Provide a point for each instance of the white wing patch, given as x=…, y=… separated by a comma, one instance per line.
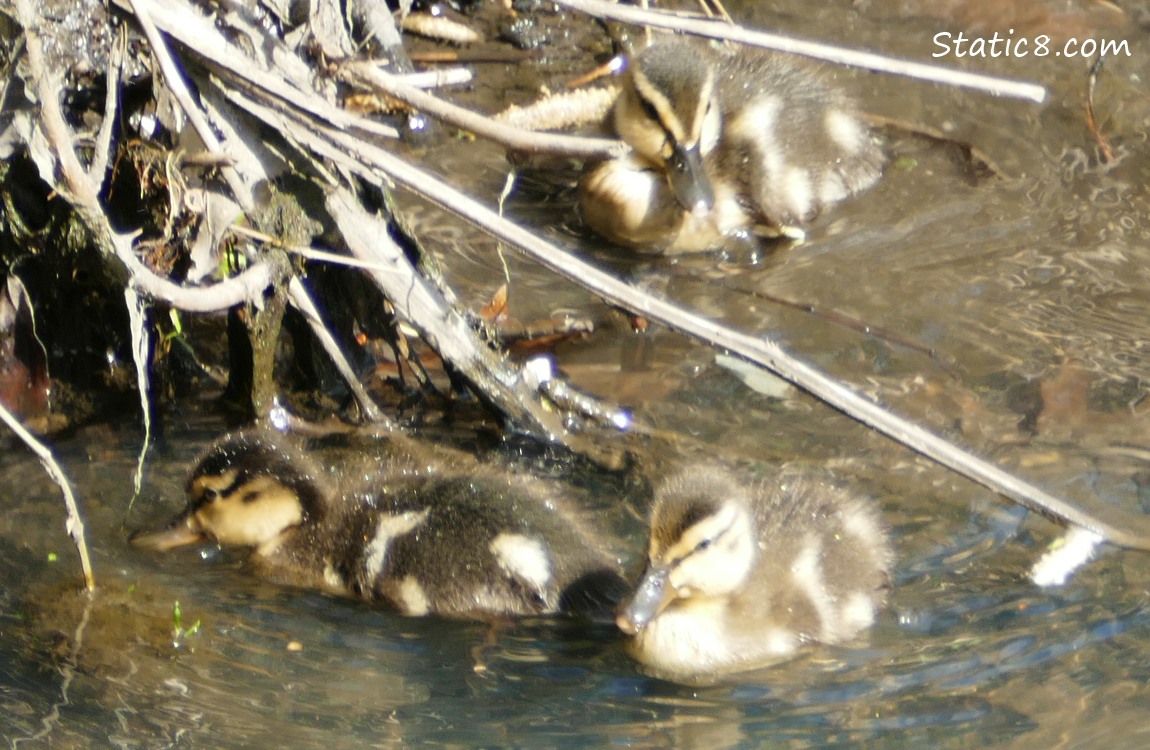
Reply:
x=799, y=192
x=412, y=598
x=859, y=523
x=389, y=527
x=524, y=558
x=858, y=613
x=846, y=131
x=332, y=579
x=807, y=575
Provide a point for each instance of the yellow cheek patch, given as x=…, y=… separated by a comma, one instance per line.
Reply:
x=254, y=514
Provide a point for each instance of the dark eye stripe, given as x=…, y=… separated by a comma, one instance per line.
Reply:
x=210, y=494
x=707, y=542
x=650, y=111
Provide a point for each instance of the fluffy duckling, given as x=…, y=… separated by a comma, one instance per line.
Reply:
x=724, y=144
x=461, y=542
x=739, y=576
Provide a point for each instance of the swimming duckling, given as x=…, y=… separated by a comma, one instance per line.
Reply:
x=462, y=542
x=723, y=144
x=739, y=576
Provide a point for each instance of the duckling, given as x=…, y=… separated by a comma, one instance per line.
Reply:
x=723, y=145
x=739, y=575
x=429, y=539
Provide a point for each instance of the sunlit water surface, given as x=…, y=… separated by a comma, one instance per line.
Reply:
x=1032, y=293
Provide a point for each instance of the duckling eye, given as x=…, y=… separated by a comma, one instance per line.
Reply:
x=701, y=546
x=209, y=495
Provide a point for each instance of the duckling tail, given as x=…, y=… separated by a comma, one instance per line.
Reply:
x=595, y=595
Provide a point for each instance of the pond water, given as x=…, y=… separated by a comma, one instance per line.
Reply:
x=1032, y=292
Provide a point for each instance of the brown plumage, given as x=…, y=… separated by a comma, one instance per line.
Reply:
x=454, y=540
x=746, y=142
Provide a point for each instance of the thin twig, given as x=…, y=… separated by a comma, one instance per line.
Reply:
x=74, y=523
x=835, y=318
x=103, y=148
x=307, y=252
x=1092, y=121
x=141, y=350
x=715, y=29
x=302, y=301
x=370, y=76
x=434, y=79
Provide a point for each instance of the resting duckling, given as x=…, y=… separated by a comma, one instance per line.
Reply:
x=724, y=145
x=459, y=543
x=740, y=576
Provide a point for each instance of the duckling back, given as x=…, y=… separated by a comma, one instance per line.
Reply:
x=480, y=544
x=792, y=142
x=830, y=551
x=741, y=573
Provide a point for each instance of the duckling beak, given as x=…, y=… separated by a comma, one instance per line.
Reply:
x=689, y=179
x=179, y=534
x=651, y=597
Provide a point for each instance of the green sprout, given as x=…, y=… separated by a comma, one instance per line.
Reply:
x=177, y=326
x=179, y=633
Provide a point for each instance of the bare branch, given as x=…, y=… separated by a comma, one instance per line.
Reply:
x=74, y=524
x=310, y=253
x=302, y=301
x=434, y=79
x=444, y=328
x=716, y=29
x=243, y=190
x=103, y=147
x=370, y=76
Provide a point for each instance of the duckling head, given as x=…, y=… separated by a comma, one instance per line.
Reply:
x=668, y=112
x=702, y=548
x=247, y=490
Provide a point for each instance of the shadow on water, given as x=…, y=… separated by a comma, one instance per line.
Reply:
x=1031, y=291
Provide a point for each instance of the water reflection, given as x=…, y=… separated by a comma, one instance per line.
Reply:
x=962, y=618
